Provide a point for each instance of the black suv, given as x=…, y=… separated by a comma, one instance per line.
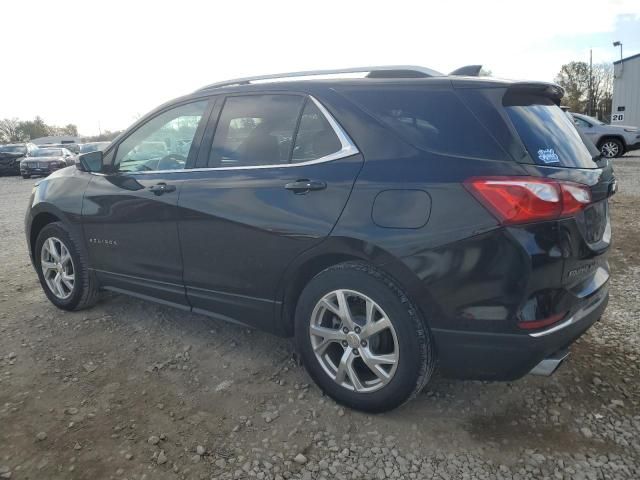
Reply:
x=12, y=154
x=391, y=223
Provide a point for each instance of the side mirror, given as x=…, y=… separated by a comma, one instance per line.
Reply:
x=90, y=162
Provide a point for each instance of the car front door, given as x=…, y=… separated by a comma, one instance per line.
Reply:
x=130, y=216
x=273, y=184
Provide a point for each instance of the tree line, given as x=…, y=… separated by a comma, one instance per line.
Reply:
x=13, y=130
x=587, y=90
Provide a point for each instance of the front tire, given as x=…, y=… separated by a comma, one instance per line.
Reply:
x=361, y=339
x=63, y=270
x=611, y=148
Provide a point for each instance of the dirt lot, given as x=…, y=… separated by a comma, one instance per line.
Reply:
x=135, y=390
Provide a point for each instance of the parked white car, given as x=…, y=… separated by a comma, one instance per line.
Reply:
x=612, y=140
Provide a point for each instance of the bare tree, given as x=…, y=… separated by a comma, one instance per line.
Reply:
x=575, y=78
x=10, y=131
x=602, y=89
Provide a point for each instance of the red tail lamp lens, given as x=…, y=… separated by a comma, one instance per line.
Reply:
x=529, y=199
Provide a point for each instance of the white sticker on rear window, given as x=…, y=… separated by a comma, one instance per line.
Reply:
x=548, y=155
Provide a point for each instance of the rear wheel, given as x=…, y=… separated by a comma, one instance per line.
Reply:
x=361, y=339
x=611, y=148
x=62, y=269
x=26, y=176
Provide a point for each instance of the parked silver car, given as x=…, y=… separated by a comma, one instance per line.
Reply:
x=612, y=140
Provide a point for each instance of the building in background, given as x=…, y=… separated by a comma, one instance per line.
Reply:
x=626, y=91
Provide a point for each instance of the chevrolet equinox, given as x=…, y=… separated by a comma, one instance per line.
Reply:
x=391, y=223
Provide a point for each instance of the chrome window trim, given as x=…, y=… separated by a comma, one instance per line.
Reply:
x=348, y=148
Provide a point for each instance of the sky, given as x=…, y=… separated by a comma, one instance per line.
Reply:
x=101, y=65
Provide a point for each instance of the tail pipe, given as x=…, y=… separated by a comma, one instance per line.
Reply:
x=550, y=364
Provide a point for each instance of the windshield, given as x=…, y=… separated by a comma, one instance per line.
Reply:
x=13, y=149
x=48, y=152
x=547, y=133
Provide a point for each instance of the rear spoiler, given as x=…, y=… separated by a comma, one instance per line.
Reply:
x=467, y=71
x=550, y=90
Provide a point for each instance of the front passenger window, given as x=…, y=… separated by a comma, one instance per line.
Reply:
x=163, y=143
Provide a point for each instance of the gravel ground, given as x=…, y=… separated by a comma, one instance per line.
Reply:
x=139, y=391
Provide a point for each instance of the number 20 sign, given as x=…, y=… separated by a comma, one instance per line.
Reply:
x=617, y=117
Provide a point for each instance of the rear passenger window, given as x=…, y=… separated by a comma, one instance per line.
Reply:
x=255, y=130
x=433, y=120
x=316, y=138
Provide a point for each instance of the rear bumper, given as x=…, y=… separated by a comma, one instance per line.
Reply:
x=499, y=356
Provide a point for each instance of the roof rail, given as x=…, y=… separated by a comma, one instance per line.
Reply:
x=390, y=71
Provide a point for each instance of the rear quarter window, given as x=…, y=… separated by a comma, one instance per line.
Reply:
x=547, y=133
x=429, y=119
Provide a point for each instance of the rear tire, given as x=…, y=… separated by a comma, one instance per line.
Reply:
x=373, y=369
x=611, y=148
x=26, y=177
x=62, y=268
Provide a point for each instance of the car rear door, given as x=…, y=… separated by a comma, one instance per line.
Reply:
x=130, y=216
x=273, y=183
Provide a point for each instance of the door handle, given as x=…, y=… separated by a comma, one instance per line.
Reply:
x=160, y=188
x=305, y=185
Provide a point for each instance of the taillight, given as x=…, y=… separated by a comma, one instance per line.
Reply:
x=529, y=199
x=545, y=322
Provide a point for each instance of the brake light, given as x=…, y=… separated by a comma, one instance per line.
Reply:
x=545, y=322
x=529, y=199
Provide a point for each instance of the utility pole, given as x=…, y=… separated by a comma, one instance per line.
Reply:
x=590, y=82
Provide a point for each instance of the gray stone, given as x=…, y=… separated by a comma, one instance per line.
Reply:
x=300, y=459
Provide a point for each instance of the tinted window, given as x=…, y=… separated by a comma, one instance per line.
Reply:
x=434, y=120
x=162, y=143
x=13, y=149
x=255, y=130
x=581, y=123
x=546, y=132
x=315, y=138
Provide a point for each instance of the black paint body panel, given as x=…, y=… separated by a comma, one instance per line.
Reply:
x=233, y=243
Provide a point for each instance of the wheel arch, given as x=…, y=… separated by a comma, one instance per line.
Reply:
x=44, y=213
x=40, y=220
x=339, y=250
x=612, y=136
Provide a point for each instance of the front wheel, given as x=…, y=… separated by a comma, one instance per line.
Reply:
x=611, y=148
x=62, y=269
x=361, y=339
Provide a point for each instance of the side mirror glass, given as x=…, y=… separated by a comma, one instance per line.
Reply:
x=90, y=162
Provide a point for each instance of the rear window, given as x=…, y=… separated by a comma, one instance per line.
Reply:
x=434, y=120
x=546, y=132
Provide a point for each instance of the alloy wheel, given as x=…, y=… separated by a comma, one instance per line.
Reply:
x=610, y=149
x=354, y=341
x=57, y=268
